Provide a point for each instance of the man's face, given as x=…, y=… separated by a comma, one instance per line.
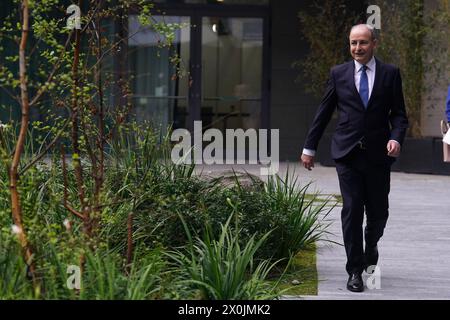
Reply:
x=361, y=44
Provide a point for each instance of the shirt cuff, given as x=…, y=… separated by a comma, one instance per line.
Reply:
x=309, y=152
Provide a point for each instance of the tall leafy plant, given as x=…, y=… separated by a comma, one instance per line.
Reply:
x=413, y=36
x=222, y=269
x=325, y=28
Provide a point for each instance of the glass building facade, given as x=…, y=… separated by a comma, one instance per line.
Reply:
x=220, y=77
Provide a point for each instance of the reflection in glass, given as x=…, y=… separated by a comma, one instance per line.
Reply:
x=232, y=72
x=160, y=96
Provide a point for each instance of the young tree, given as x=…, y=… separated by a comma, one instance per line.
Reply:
x=65, y=72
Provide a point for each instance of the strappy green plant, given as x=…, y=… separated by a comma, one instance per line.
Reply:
x=223, y=269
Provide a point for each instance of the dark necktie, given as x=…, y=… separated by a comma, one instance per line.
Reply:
x=364, y=86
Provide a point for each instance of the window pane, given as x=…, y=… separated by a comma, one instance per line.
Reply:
x=160, y=94
x=232, y=72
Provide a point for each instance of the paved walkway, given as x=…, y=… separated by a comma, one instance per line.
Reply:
x=414, y=251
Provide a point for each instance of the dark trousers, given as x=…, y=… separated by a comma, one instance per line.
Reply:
x=364, y=187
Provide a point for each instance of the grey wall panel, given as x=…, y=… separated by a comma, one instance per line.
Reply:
x=286, y=49
x=289, y=103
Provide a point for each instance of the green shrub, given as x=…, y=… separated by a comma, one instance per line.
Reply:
x=222, y=270
x=13, y=271
x=271, y=221
x=106, y=276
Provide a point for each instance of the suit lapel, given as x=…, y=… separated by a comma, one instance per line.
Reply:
x=376, y=82
x=350, y=76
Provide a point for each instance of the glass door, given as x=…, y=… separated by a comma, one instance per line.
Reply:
x=222, y=51
x=160, y=88
x=231, y=70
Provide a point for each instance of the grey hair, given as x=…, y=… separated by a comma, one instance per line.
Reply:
x=369, y=27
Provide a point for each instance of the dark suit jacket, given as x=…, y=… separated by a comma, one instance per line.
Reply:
x=384, y=119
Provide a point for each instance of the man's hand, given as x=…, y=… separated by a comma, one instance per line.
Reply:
x=308, y=161
x=393, y=148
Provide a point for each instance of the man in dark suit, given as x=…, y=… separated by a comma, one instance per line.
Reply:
x=371, y=126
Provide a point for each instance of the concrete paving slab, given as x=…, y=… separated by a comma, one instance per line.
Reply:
x=414, y=251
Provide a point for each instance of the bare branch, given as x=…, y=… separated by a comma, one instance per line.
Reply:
x=43, y=89
x=43, y=153
x=73, y=211
x=9, y=93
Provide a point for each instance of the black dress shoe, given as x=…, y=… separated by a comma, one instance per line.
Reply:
x=355, y=283
x=370, y=257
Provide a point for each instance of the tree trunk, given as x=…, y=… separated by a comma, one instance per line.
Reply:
x=13, y=171
x=75, y=136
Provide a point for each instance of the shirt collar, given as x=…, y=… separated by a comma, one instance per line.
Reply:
x=370, y=65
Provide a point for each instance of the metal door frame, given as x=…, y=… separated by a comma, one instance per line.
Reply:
x=196, y=12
